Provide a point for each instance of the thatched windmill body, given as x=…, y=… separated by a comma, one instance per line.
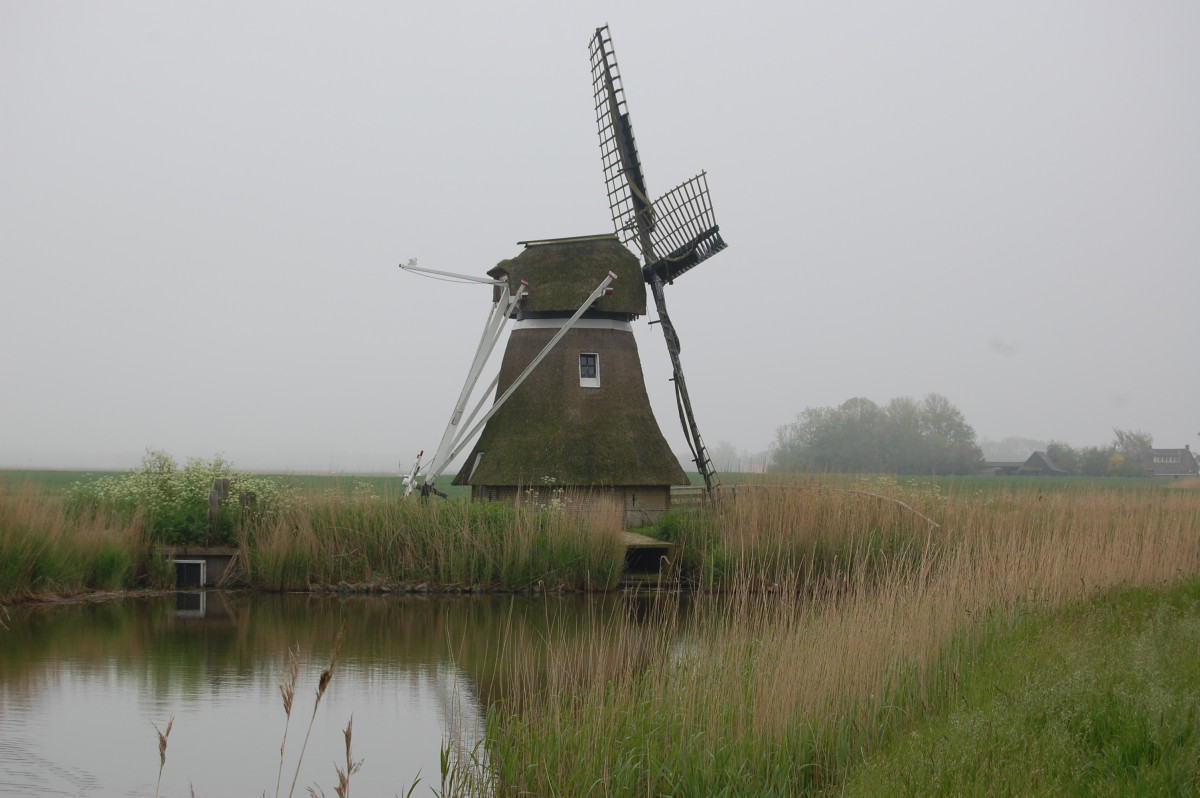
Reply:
x=571, y=409
x=581, y=420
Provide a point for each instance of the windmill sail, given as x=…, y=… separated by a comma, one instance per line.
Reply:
x=673, y=234
x=687, y=233
x=632, y=211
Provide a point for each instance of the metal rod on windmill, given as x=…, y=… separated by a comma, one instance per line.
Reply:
x=454, y=439
x=504, y=302
x=558, y=336
x=680, y=223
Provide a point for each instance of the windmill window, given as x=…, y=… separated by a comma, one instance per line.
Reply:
x=589, y=370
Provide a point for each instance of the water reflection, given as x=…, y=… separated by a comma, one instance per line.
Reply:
x=82, y=684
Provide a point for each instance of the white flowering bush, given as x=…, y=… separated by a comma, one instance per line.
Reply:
x=550, y=498
x=175, y=501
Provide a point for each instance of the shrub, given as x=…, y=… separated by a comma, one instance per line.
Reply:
x=175, y=501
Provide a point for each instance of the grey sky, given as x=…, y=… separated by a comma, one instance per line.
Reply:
x=202, y=207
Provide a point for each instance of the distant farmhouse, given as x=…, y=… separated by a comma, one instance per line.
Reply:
x=1039, y=464
x=1171, y=463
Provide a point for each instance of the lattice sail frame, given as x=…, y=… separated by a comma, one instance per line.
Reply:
x=686, y=229
x=674, y=233
x=623, y=180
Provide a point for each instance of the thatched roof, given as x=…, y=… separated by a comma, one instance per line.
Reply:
x=562, y=273
x=553, y=428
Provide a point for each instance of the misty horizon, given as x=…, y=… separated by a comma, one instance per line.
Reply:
x=203, y=208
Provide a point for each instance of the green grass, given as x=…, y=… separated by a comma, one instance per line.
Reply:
x=386, y=485
x=44, y=551
x=1030, y=642
x=343, y=532
x=841, y=625
x=1101, y=698
x=326, y=540
x=49, y=479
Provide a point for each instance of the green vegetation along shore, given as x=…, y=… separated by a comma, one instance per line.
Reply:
x=869, y=635
x=842, y=621
x=1098, y=698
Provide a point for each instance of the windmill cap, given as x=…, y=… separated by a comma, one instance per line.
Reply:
x=563, y=272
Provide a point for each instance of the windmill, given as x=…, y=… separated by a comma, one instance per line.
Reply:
x=674, y=233
x=571, y=409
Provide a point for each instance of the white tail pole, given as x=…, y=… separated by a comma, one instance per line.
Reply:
x=411, y=479
x=501, y=313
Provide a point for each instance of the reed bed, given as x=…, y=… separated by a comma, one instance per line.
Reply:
x=333, y=539
x=789, y=676
x=763, y=536
x=46, y=551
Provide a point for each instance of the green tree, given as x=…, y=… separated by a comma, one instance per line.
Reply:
x=1063, y=456
x=905, y=437
x=1093, y=460
x=1134, y=446
x=796, y=443
x=949, y=438
x=854, y=442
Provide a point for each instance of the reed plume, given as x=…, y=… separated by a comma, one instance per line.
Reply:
x=326, y=676
x=287, y=689
x=352, y=767
x=162, y=751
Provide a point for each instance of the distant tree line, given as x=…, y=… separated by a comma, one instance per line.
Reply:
x=1124, y=457
x=905, y=436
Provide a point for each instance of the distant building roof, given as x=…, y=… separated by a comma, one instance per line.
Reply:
x=1040, y=464
x=1171, y=462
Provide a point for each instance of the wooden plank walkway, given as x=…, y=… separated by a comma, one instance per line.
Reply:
x=635, y=541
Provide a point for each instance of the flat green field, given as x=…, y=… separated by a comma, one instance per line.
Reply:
x=377, y=484
x=392, y=484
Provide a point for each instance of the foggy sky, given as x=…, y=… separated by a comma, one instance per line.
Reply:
x=202, y=207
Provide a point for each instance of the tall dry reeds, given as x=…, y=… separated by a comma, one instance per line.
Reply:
x=333, y=538
x=45, y=550
x=322, y=684
x=841, y=617
x=162, y=752
x=764, y=536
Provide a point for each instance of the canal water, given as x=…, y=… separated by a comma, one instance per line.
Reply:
x=83, y=685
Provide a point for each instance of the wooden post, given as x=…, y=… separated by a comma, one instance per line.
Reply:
x=220, y=489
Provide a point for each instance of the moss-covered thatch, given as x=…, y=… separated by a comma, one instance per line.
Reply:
x=552, y=428
x=562, y=273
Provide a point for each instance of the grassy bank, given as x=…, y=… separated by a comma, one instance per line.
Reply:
x=50, y=547
x=377, y=541
x=46, y=551
x=1096, y=699
x=872, y=635
x=789, y=684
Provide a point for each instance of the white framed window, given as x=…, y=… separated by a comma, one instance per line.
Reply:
x=589, y=370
